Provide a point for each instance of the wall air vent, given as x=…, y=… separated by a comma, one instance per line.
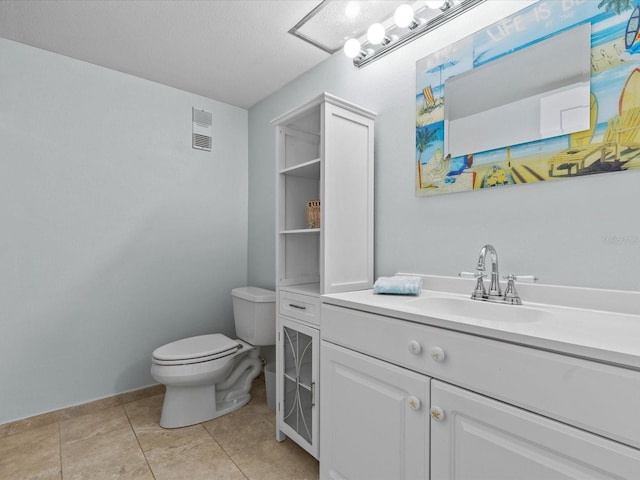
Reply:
x=202, y=131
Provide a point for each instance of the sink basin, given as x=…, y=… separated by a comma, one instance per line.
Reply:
x=454, y=307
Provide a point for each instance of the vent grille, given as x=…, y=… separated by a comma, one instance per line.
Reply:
x=202, y=131
x=201, y=142
x=201, y=117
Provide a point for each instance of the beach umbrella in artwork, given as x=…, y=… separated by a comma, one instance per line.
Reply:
x=438, y=69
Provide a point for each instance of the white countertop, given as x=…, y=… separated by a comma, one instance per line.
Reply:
x=601, y=335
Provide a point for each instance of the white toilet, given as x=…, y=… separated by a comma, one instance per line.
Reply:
x=210, y=375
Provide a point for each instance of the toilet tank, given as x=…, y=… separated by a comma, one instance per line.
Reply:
x=254, y=311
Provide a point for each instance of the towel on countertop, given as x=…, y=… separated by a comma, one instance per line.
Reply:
x=398, y=285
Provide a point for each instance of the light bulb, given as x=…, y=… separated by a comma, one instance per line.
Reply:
x=352, y=48
x=403, y=16
x=435, y=4
x=376, y=34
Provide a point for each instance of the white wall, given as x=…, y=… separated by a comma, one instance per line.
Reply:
x=583, y=232
x=117, y=236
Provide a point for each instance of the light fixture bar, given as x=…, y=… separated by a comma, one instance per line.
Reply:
x=411, y=35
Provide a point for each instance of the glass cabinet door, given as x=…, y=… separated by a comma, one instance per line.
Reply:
x=299, y=412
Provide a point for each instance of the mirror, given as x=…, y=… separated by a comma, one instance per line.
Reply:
x=536, y=92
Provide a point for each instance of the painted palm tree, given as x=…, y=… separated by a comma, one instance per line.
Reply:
x=424, y=138
x=617, y=6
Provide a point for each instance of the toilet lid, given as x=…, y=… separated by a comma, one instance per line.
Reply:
x=196, y=349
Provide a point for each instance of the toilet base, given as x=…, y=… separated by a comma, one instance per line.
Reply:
x=190, y=405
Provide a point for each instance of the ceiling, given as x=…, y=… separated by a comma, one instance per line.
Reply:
x=234, y=51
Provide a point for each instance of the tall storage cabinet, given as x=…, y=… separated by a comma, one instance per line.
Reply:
x=324, y=152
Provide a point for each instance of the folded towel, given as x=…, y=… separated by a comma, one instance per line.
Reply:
x=398, y=285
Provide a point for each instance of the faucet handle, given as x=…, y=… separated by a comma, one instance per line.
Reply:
x=479, y=292
x=471, y=274
x=510, y=293
x=522, y=278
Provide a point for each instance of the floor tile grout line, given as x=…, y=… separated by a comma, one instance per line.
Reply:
x=138, y=442
x=219, y=444
x=97, y=435
x=238, y=467
x=60, y=448
x=225, y=452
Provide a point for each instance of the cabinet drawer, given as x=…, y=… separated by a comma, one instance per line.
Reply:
x=301, y=307
x=593, y=396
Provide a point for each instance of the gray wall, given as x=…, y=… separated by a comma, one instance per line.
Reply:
x=582, y=232
x=117, y=236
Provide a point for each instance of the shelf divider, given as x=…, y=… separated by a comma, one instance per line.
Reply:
x=310, y=169
x=300, y=230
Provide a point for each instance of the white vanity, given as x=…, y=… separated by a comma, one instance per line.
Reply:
x=444, y=387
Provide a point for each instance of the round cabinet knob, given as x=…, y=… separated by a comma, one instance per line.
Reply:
x=437, y=413
x=414, y=347
x=437, y=354
x=414, y=403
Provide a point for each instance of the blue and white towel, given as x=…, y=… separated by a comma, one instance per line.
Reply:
x=398, y=285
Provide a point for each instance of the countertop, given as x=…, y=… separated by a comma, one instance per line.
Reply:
x=600, y=335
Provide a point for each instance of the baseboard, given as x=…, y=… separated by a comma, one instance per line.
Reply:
x=43, y=419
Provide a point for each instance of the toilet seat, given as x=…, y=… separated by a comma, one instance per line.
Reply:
x=202, y=348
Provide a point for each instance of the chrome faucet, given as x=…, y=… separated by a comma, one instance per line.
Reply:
x=494, y=294
x=494, y=286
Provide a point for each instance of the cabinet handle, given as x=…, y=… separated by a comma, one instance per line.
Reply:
x=414, y=347
x=313, y=394
x=437, y=413
x=299, y=307
x=414, y=403
x=437, y=354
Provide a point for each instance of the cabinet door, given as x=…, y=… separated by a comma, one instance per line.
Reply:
x=297, y=404
x=474, y=437
x=347, y=201
x=375, y=420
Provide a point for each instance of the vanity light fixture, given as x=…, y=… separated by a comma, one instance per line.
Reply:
x=404, y=17
x=438, y=4
x=377, y=35
x=335, y=25
x=353, y=49
x=408, y=22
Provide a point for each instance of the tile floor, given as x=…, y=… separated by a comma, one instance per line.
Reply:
x=125, y=442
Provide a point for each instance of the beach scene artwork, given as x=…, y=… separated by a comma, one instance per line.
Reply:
x=611, y=144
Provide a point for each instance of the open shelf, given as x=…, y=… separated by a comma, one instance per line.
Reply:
x=300, y=230
x=305, y=378
x=311, y=288
x=310, y=169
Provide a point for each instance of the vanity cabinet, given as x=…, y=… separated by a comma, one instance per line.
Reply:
x=475, y=437
x=375, y=418
x=498, y=410
x=324, y=153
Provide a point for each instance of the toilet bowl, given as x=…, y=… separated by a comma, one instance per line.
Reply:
x=210, y=375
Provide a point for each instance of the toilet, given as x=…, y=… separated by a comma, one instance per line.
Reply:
x=210, y=375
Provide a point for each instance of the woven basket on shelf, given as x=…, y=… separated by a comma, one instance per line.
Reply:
x=313, y=214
